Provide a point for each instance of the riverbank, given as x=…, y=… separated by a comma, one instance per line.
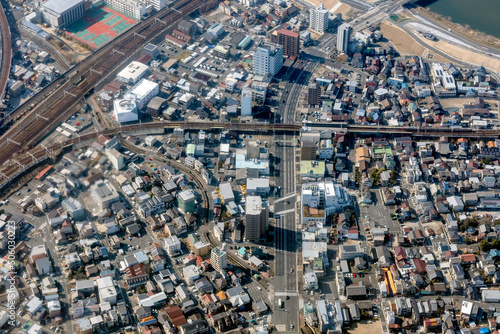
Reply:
x=464, y=30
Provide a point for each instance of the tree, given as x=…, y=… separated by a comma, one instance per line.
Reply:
x=484, y=245
x=141, y=289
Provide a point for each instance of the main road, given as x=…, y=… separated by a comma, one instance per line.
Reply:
x=285, y=268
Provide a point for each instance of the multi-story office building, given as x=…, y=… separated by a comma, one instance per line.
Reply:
x=318, y=19
x=290, y=41
x=343, y=36
x=268, y=59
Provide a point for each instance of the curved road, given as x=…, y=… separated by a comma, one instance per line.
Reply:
x=424, y=20
x=6, y=52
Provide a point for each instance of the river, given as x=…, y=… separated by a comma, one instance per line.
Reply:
x=482, y=15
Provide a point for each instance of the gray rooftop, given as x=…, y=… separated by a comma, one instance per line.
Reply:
x=60, y=6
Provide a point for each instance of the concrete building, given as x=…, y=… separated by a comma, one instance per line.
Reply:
x=290, y=41
x=107, y=290
x=134, y=72
x=172, y=245
x=104, y=194
x=186, y=201
x=133, y=9
x=143, y=92
x=343, y=35
x=61, y=13
x=314, y=94
x=125, y=110
x=117, y=159
x=218, y=258
x=318, y=19
x=246, y=101
x=74, y=208
x=268, y=59
x=256, y=216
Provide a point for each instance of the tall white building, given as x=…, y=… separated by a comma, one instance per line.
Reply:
x=246, y=101
x=131, y=8
x=218, y=258
x=319, y=19
x=268, y=59
x=159, y=4
x=343, y=36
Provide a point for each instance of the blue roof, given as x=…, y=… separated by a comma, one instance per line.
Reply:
x=242, y=251
x=494, y=253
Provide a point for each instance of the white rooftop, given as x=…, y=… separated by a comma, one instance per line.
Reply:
x=60, y=6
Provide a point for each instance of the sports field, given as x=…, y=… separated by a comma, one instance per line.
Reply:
x=99, y=26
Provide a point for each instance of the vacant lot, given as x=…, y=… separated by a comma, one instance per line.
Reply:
x=400, y=40
x=404, y=43
x=363, y=327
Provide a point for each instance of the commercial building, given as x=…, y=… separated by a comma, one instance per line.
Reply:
x=186, y=201
x=61, y=13
x=268, y=59
x=143, y=92
x=318, y=18
x=256, y=216
x=350, y=252
x=134, y=72
x=314, y=94
x=125, y=110
x=290, y=41
x=131, y=8
x=246, y=101
x=343, y=36
x=104, y=194
x=218, y=258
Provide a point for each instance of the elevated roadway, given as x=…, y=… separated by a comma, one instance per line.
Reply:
x=6, y=52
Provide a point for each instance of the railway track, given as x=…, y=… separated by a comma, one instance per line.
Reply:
x=40, y=120
x=24, y=162
x=6, y=52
